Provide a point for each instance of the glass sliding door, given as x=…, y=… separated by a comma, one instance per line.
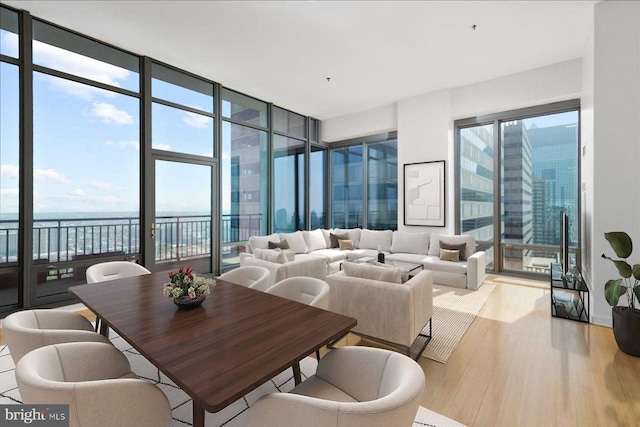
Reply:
x=540, y=163
x=288, y=184
x=346, y=187
x=517, y=172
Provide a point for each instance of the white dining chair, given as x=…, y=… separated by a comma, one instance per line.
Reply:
x=27, y=330
x=352, y=387
x=112, y=270
x=253, y=277
x=96, y=381
x=306, y=290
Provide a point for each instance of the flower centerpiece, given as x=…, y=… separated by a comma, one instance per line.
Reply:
x=187, y=289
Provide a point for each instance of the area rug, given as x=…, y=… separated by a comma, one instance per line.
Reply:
x=454, y=310
x=232, y=416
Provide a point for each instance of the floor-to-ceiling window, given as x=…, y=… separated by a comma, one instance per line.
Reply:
x=365, y=193
x=517, y=171
x=108, y=155
x=86, y=156
x=245, y=173
x=289, y=165
x=9, y=159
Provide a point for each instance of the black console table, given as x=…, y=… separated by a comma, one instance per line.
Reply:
x=569, y=295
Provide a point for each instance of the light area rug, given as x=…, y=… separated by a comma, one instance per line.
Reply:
x=232, y=416
x=454, y=310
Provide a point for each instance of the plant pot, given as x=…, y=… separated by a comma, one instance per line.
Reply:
x=626, y=329
x=186, y=302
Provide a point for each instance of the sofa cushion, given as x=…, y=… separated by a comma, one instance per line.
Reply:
x=271, y=255
x=435, y=264
x=345, y=245
x=331, y=255
x=434, y=244
x=296, y=242
x=412, y=243
x=335, y=237
x=373, y=272
x=404, y=257
x=450, y=255
x=359, y=253
x=461, y=248
x=261, y=242
x=314, y=240
x=376, y=239
x=282, y=245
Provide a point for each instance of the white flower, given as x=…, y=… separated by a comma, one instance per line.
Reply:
x=177, y=292
x=192, y=292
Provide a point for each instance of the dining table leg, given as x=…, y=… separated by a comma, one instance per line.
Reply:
x=297, y=376
x=198, y=415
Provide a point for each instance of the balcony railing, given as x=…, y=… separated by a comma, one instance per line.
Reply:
x=177, y=237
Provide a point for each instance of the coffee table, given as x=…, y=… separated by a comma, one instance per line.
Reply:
x=407, y=269
x=216, y=353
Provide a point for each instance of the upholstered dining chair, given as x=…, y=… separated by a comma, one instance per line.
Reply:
x=354, y=387
x=96, y=381
x=305, y=290
x=30, y=329
x=112, y=270
x=253, y=277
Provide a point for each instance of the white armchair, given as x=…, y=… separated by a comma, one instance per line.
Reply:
x=30, y=329
x=96, y=381
x=309, y=266
x=253, y=277
x=352, y=387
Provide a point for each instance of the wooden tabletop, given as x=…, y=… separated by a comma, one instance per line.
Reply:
x=238, y=339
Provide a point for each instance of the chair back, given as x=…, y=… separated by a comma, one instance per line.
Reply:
x=305, y=290
x=89, y=375
x=251, y=276
x=27, y=330
x=113, y=270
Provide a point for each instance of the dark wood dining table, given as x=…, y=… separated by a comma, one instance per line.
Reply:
x=218, y=352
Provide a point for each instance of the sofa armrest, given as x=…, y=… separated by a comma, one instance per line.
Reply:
x=476, y=266
x=383, y=310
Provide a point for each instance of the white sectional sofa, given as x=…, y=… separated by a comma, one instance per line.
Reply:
x=336, y=245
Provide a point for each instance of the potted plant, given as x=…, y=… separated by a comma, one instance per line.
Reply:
x=187, y=289
x=626, y=319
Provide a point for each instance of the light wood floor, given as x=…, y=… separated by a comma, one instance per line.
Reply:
x=518, y=367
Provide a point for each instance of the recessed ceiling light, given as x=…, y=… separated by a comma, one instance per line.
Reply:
x=474, y=26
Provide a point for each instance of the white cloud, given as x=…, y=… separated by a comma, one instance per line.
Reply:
x=109, y=199
x=73, y=63
x=165, y=147
x=50, y=175
x=71, y=195
x=100, y=185
x=79, y=90
x=196, y=120
x=124, y=144
x=108, y=113
x=9, y=171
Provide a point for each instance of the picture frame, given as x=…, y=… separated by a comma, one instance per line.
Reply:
x=424, y=194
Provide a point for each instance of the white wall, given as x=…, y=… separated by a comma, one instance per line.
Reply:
x=370, y=122
x=616, y=139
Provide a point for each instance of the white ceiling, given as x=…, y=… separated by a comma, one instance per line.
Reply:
x=375, y=52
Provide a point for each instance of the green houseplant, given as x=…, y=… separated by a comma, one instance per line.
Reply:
x=626, y=319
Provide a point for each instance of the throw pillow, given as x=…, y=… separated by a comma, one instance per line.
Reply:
x=449, y=255
x=314, y=239
x=296, y=242
x=411, y=243
x=461, y=248
x=374, y=239
x=261, y=242
x=345, y=245
x=289, y=255
x=335, y=237
x=372, y=272
x=271, y=255
x=282, y=245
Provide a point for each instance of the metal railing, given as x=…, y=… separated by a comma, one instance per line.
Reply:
x=177, y=237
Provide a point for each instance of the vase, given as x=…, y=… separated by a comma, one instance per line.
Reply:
x=188, y=302
x=626, y=329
